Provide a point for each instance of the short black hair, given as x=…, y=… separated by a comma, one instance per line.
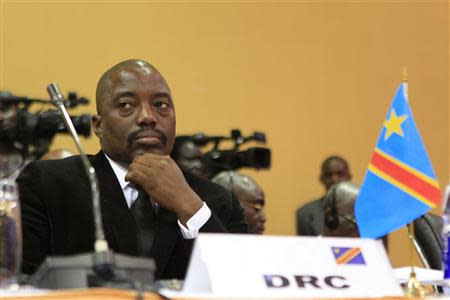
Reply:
x=329, y=159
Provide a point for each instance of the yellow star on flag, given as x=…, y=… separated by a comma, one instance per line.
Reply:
x=394, y=124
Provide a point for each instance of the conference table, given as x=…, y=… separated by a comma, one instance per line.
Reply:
x=91, y=293
x=119, y=294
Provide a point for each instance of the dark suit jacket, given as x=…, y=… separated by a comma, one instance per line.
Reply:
x=310, y=218
x=57, y=215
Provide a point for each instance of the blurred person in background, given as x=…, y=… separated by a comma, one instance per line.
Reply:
x=188, y=156
x=10, y=151
x=339, y=210
x=334, y=169
x=250, y=195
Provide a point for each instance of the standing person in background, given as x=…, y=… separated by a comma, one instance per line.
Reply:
x=334, y=169
x=250, y=195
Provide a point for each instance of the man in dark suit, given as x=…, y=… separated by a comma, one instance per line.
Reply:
x=139, y=183
x=310, y=220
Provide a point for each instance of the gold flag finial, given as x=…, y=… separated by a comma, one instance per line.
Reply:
x=405, y=74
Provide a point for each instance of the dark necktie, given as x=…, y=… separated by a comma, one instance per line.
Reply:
x=145, y=217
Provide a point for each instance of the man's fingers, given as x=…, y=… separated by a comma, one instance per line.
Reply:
x=136, y=176
x=146, y=161
x=151, y=160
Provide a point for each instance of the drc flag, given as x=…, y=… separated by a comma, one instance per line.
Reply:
x=348, y=256
x=400, y=184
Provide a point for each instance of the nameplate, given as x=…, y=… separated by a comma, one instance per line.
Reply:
x=274, y=266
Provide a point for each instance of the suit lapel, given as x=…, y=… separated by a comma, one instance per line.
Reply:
x=118, y=221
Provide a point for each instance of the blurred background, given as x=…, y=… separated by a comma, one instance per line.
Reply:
x=316, y=77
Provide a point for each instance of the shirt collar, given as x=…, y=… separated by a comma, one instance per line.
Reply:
x=119, y=171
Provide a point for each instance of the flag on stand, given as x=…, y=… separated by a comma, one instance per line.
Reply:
x=400, y=184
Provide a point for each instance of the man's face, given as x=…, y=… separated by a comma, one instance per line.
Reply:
x=8, y=120
x=334, y=172
x=191, y=159
x=137, y=114
x=252, y=201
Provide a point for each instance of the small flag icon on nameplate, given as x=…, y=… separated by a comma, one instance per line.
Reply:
x=348, y=255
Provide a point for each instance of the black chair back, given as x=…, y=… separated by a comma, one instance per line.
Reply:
x=427, y=231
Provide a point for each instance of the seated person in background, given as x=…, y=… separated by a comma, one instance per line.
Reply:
x=339, y=210
x=150, y=207
x=250, y=195
x=188, y=156
x=310, y=216
x=56, y=154
x=10, y=152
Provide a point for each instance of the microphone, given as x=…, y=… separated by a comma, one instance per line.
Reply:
x=101, y=245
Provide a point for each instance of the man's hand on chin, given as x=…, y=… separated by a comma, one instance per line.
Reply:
x=161, y=178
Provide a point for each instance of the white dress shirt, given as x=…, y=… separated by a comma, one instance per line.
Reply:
x=130, y=193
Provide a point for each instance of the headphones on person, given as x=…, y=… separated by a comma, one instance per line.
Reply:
x=331, y=216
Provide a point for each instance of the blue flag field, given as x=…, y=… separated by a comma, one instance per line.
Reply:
x=400, y=184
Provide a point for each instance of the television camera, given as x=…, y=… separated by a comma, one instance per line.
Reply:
x=32, y=133
x=218, y=159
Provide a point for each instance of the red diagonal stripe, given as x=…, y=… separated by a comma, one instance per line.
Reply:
x=405, y=177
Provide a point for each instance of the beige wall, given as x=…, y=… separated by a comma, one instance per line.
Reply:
x=316, y=77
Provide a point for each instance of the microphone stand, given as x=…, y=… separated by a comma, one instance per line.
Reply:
x=116, y=270
x=102, y=257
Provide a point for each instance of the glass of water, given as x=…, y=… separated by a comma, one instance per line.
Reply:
x=10, y=234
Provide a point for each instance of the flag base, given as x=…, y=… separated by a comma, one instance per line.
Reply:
x=414, y=288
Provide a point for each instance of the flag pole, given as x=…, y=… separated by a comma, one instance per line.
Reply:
x=405, y=82
x=413, y=287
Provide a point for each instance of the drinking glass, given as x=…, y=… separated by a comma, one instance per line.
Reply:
x=10, y=234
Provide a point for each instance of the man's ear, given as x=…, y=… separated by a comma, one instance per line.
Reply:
x=350, y=176
x=322, y=179
x=96, y=124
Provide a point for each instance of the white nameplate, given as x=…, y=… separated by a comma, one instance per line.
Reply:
x=273, y=266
